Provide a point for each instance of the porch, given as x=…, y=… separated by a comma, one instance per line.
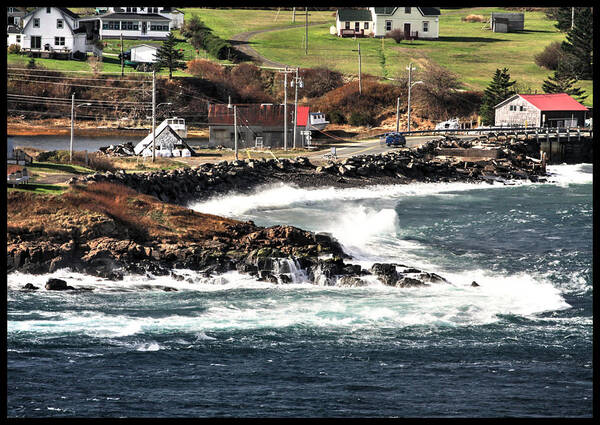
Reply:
x=351, y=33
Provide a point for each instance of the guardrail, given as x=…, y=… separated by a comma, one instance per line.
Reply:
x=498, y=131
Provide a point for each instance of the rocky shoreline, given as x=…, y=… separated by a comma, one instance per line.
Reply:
x=420, y=164
x=106, y=246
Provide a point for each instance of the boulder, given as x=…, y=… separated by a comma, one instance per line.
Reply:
x=30, y=286
x=54, y=284
x=386, y=273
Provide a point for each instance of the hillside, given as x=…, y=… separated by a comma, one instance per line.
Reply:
x=463, y=47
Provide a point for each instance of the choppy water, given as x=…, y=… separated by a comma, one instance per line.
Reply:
x=518, y=345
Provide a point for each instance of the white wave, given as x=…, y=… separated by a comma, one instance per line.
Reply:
x=565, y=174
x=282, y=195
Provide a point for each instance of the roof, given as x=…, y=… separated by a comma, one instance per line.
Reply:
x=64, y=10
x=12, y=29
x=142, y=16
x=553, y=102
x=426, y=11
x=144, y=45
x=354, y=15
x=266, y=115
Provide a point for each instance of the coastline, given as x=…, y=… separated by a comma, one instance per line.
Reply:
x=115, y=223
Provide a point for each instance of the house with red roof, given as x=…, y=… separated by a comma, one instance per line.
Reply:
x=262, y=123
x=540, y=110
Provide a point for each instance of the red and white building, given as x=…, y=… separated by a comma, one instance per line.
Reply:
x=540, y=110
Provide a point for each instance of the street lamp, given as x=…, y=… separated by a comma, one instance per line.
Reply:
x=409, y=88
x=235, y=133
x=73, y=122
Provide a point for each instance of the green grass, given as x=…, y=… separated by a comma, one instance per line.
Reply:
x=40, y=188
x=52, y=167
x=463, y=47
x=228, y=22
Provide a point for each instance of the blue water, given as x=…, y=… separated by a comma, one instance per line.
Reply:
x=520, y=344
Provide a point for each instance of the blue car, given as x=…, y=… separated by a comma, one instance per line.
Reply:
x=394, y=139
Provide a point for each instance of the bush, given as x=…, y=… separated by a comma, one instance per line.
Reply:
x=361, y=118
x=397, y=35
x=206, y=69
x=80, y=56
x=318, y=81
x=95, y=160
x=14, y=48
x=474, y=18
x=336, y=117
x=550, y=57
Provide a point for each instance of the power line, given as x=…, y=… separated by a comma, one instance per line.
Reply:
x=82, y=72
x=79, y=100
x=78, y=85
x=11, y=74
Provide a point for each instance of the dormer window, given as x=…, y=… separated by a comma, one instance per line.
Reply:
x=36, y=22
x=407, y=10
x=60, y=23
x=48, y=10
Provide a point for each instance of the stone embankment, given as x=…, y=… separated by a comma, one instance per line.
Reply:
x=511, y=161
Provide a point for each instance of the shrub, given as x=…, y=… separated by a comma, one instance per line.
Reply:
x=206, y=69
x=317, y=81
x=80, y=56
x=397, y=35
x=336, y=117
x=550, y=57
x=14, y=48
x=474, y=18
x=361, y=118
x=31, y=64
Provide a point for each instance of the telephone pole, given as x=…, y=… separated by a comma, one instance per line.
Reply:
x=122, y=58
x=153, y=116
x=572, y=17
x=72, y=119
x=410, y=68
x=285, y=118
x=359, y=70
x=293, y=15
x=297, y=81
x=306, y=31
x=398, y=114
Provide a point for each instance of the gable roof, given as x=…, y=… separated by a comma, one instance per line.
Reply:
x=354, y=15
x=425, y=11
x=548, y=102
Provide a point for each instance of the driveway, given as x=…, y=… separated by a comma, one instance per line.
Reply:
x=241, y=42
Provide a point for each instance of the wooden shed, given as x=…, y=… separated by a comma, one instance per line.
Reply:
x=508, y=22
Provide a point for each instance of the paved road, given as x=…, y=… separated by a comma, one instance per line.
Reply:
x=244, y=44
x=368, y=147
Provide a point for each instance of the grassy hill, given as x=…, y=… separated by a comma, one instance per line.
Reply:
x=463, y=47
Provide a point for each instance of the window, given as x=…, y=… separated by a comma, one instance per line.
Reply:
x=18, y=38
x=36, y=22
x=388, y=25
x=131, y=9
x=407, y=10
x=113, y=25
x=425, y=26
x=158, y=27
x=59, y=41
x=60, y=23
x=347, y=25
x=366, y=26
x=48, y=10
x=521, y=108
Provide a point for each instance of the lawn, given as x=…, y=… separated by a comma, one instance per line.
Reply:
x=463, y=47
x=228, y=22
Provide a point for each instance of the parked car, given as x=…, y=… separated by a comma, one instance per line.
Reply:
x=393, y=139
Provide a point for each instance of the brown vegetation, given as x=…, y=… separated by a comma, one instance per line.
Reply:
x=474, y=18
x=141, y=217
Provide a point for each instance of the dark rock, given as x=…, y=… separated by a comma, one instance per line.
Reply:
x=54, y=284
x=30, y=286
x=409, y=282
x=474, y=284
x=386, y=273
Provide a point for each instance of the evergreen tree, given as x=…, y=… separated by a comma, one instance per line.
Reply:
x=168, y=56
x=563, y=81
x=562, y=15
x=580, y=44
x=500, y=88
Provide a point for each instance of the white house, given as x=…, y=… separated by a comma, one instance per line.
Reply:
x=131, y=25
x=419, y=22
x=52, y=29
x=353, y=23
x=14, y=15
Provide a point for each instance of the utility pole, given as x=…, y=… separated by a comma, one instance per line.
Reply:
x=306, y=31
x=285, y=112
x=359, y=69
x=398, y=114
x=153, y=116
x=235, y=145
x=285, y=118
x=297, y=81
x=122, y=58
x=293, y=15
x=572, y=17
x=410, y=84
x=72, y=119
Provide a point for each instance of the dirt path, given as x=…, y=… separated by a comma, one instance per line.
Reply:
x=242, y=43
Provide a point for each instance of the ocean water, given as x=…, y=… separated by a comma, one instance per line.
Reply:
x=520, y=344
